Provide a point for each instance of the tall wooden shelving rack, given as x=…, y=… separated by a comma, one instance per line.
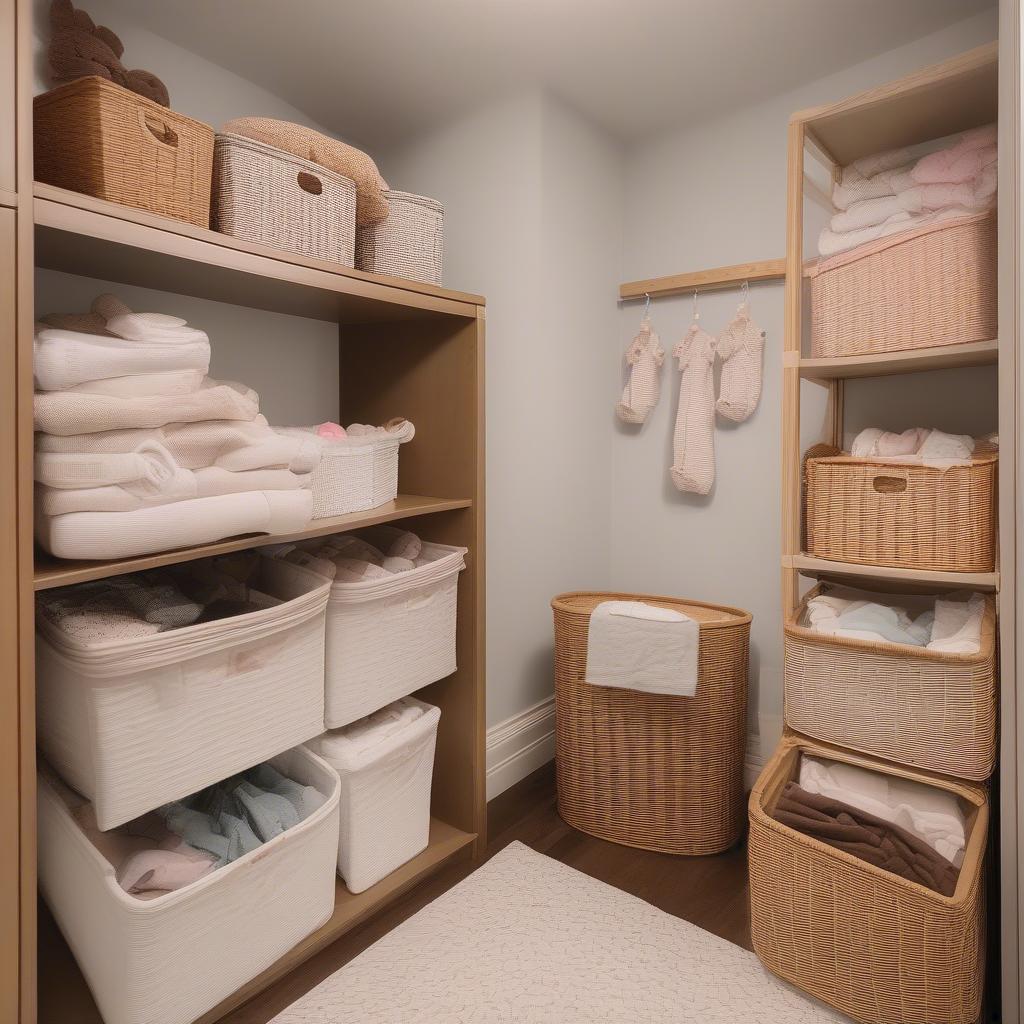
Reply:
x=404, y=348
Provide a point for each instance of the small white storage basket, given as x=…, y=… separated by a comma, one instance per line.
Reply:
x=357, y=473
x=133, y=724
x=388, y=638
x=170, y=959
x=408, y=243
x=384, y=812
x=262, y=194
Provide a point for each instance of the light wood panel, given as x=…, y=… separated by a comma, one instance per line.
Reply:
x=8, y=101
x=705, y=280
x=947, y=357
x=81, y=235
x=811, y=566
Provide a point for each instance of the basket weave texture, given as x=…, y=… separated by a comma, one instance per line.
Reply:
x=657, y=772
x=875, y=946
x=266, y=195
x=914, y=517
x=931, y=287
x=916, y=707
x=103, y=140
x=409, y=243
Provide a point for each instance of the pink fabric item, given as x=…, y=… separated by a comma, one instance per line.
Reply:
x=332, y=431
x=961, y=162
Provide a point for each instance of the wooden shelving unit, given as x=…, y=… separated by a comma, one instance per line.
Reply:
x=948, y=357
x=404, y=348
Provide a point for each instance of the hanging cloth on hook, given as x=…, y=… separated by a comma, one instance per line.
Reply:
x=741, y=348
x=644, y=356
x=693, y=445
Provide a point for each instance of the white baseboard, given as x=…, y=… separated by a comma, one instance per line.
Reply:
x=520, y=745
x=753, y=762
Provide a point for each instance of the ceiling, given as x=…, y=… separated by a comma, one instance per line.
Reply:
x=379, y=70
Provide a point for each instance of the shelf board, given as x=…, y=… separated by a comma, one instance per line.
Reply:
x=811, y=566
x=57, y=572
x=64, y=996
x=947, y=357
x=81, y=235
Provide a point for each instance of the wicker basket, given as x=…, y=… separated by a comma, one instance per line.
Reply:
x=408, y=243
x=101, y=139
x=657, y=772
x=874, y=512
x=877, y=947
x=926, y=288
x=916, y=707
x=262, y=194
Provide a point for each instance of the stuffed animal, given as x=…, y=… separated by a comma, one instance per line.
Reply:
x=79, y=48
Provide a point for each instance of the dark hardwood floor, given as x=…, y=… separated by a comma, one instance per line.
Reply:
x=709, y=891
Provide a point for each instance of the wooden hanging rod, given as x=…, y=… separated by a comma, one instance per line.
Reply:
x=705, y=280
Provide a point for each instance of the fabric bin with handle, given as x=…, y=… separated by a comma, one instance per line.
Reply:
x=103, y=140
x=880, y=948
x=133, y=724
x=874, y=512
x=408, y=243
x=917, y=707
x=262, y=194
x=170, y=959
x=384, y=811
x=387, y=638
x=928, y=287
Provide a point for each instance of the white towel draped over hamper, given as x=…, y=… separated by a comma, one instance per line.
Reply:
x=386, y=768
x=133, y=724
x=387, y=638
x=170, y=959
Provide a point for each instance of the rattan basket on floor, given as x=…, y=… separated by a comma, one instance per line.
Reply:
x=877, y=947
x=916, y=707
x=913, y=517
x=408, y=243
x=95, y=137
x=657, y=772
x=930, y=287
x=266, y=195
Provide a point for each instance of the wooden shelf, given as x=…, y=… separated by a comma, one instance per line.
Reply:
x=948, y=357
x=705, y=280
x=57, y=572
x=810, y=566
x=81, y=235
x=64, y=996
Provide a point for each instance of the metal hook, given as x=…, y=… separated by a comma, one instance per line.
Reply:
x=745, y=291
x=647, y=305
x=696, y=312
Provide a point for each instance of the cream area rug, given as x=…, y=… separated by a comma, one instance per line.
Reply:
x=526, y=939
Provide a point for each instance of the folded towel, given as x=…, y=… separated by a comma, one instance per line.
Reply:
x=957, y=628
x=167, y=382
x=355, y=743
x=960, y=162
x=854, y=187
x=830, y=242
x=638, y=646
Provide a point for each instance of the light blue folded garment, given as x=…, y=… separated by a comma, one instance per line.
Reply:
x=305, y=799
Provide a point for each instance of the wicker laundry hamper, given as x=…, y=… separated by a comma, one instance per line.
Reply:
x=874, y=512
x=920, y=289
x=656, y=772
x=408, y=243
x=876, y=946
x=103, y=140
x=262, y=194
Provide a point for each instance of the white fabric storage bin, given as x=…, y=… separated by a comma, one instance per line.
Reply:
x=355, y=473
x=388, y=638
x=384, y=811
x=134, y=724
x=170, y=959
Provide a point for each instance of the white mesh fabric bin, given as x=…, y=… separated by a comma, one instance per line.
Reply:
x=170, y=959
x=408, y=243
x=133, y=724
x=355, y=473
x=388, y=638
x=263, y=194
x=384, y=811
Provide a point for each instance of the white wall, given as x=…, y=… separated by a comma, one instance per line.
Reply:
x=711, y=195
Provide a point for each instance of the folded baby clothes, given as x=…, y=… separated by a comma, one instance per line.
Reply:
x=637, y=646
x=168, y=382
x=916, y=446
x=933, y=815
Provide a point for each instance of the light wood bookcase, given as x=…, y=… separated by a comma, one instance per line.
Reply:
x=404, y=348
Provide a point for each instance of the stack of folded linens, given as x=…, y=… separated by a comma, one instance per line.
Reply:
x=138, y=450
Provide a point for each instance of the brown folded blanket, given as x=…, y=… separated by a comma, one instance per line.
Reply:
x=863, y=835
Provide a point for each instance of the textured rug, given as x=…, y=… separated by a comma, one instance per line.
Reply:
x=526, y=939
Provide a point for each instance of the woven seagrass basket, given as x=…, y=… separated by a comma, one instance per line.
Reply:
x=408, y=243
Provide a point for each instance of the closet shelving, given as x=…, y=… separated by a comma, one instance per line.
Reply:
x=404, y=347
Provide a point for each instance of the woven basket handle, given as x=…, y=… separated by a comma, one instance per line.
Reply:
x=890, y=481
x=158, y=129
x=309, y=183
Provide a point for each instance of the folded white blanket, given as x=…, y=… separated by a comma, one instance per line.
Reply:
x=854, y=187
x=637, y=646
x=356, y=742
x=916, y=446
x=832, y=242
x=151, y=464
x=180, y=524
x=68, y=412
x=957, y=628
x=168, y=382
x=932, y=814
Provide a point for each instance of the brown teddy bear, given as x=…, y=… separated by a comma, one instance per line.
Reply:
x=79, y=47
